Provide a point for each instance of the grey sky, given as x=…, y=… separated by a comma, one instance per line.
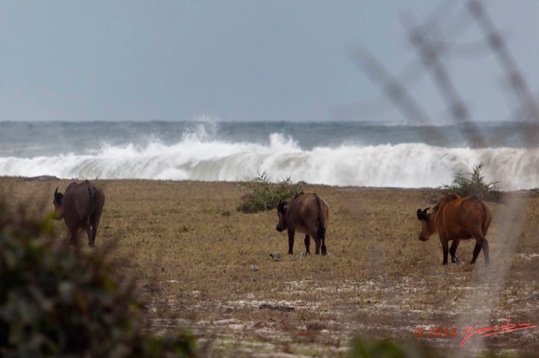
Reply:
x=243, y=60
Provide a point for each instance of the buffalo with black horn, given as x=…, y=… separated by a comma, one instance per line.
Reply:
x=308, y=214
x=81, y=206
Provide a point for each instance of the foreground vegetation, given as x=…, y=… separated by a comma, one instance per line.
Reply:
x=198, y=262
x=58, y=301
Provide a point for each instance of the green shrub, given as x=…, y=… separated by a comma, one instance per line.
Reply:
x=366, y=348
x=466, y=184
x=60, y=301
x=265, y=195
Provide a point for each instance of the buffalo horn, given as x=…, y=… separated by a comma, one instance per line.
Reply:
x=422, y=214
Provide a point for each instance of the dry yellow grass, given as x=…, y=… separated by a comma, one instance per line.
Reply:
x=201, y=263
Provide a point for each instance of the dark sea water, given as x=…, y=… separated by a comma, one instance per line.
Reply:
x=333, y=153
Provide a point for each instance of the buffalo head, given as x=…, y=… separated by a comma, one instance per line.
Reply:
x=57, y=202
x=281, y=213
x=426, y=229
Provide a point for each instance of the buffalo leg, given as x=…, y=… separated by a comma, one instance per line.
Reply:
x=91, y=235
x=290, y=242
x=445, y=250
x=322, y=236
x=476, y=251
x=317, y=245
x=307, y=244
x=73, y=237
x=481, y=244
x=453, y=251
x=94, y=223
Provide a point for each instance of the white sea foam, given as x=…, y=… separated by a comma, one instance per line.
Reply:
x=197, y=157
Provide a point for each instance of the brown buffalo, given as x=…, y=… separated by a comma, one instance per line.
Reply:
x=80, y=206
x=308, y=214
x=455, y=218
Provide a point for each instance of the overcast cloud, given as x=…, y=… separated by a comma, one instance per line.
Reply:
x=244, y=60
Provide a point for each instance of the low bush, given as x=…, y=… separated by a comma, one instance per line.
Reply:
x=466, y=184
x=265, y=195
x=367, y=347
x=60, y=301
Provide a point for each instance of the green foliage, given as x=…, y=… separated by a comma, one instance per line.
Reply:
x=265, y=195
x=367, y=348
x=60, y=301
x=465, y=184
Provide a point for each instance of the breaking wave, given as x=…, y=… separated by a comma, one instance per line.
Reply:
x=194, y=157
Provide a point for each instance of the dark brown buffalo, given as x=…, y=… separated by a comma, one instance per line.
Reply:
x=308, y=214
x=80, y=206
x=455, y=218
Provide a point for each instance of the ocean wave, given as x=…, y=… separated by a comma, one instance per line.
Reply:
x=196, y=157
